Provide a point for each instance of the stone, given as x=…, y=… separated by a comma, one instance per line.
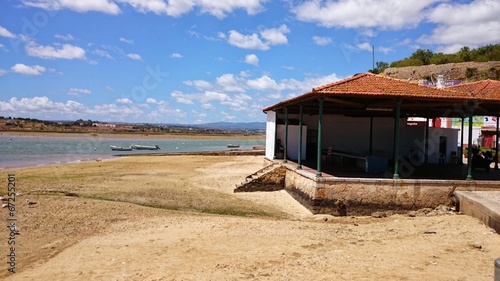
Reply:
x=379, y=215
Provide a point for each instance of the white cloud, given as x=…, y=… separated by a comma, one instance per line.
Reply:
x=385, y=14
x=264, y=83
x=230, y=83
x=267, y=38
x=252, y=59
x=199, y=84
x=134, y=56
x=124, y=101
x=128, y=41
x=471, y=24
x=275, y=36
x=154, y=101
x=220, y=8
x=67, y=37
x=365, y=46
x=66, y=51
x=5, y=33
x=77, y=92
x=104, y=6
x=180, y=97
x=102, y=53
x=322, y=40
x=176, y=55
x=384, y=50
x=28, y=70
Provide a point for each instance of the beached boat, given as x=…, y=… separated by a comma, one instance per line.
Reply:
x=145, y=147
x=120, y=148
x=233, y=145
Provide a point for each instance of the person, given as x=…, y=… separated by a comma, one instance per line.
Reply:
x=279, y=146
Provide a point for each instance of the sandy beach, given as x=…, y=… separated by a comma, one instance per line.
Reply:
x=175, y=217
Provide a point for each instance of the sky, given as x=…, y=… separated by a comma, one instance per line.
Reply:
x=203, y=61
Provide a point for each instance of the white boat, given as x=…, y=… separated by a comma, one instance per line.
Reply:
x=120, y=148
x=233, y=145
x=145, y=147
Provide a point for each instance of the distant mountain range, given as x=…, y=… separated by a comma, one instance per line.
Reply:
x=233, y=126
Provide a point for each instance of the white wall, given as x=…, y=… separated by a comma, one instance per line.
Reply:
x=270, y=134
x=352, y=135
x=292, y=148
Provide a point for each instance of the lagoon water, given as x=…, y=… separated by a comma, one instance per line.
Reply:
x=27, y=151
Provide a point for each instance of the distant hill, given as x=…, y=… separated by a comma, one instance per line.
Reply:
x=464, y=71
x=233, y=126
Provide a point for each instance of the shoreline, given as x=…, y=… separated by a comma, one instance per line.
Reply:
x=233, y=152
x=128, y=135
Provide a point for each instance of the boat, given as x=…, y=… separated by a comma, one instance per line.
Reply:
x=145, y=147
x=120, y=148
x=233, y=145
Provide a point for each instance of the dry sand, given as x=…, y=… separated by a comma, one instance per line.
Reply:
x=92, y=222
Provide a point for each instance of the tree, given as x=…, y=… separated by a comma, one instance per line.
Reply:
x=381, y=66
x=464, y=54
x=423, y=55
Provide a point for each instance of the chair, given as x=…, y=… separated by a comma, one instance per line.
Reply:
x=453, y=157
x=329, y=155
x=442, y=158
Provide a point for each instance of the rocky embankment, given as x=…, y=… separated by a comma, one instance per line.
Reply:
x=465, y=71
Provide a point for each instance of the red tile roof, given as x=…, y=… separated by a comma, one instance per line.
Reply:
x=485, y=89
x=363, y=90
x=376, y=85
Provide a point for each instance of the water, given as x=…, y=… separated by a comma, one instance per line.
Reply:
x=27, y=151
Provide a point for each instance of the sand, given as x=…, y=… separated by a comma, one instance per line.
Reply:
x=176, y=218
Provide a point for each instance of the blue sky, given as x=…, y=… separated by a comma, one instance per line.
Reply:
x=201, y=61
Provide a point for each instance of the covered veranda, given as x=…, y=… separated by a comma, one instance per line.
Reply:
x=348, y=149
x=376, y=109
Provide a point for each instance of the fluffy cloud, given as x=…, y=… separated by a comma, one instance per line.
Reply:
x=65, y=51
x=104, y=6
x=471, y=24
x=176, y=55
x=124, y=101
x=252, y=59
x=5, y=33
x=180, y=97
x=262, y=41
x=385, y=14
x=321, y=40
x=67, y=37
x=177, y=8
x=230, y=83
x=264, y=83
x=125, y=40
x=28, y=70
x=134, y=56
x=77, y=92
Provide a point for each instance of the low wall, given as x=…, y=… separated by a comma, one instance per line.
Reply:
x=363, y=196
x=479, y=206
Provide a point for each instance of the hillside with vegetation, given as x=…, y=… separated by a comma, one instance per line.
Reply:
x=466, y=65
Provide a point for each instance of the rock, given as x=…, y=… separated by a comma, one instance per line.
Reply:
x=379, y=215
x=412, y=214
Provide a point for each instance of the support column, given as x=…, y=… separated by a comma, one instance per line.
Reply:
x=286, y=136
x=461, y=155
x=320, y=127
x=299, y=161
x=426, y=142
x=370, y=148
x=396, y=139
x=469, y=146
x=496, y=145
